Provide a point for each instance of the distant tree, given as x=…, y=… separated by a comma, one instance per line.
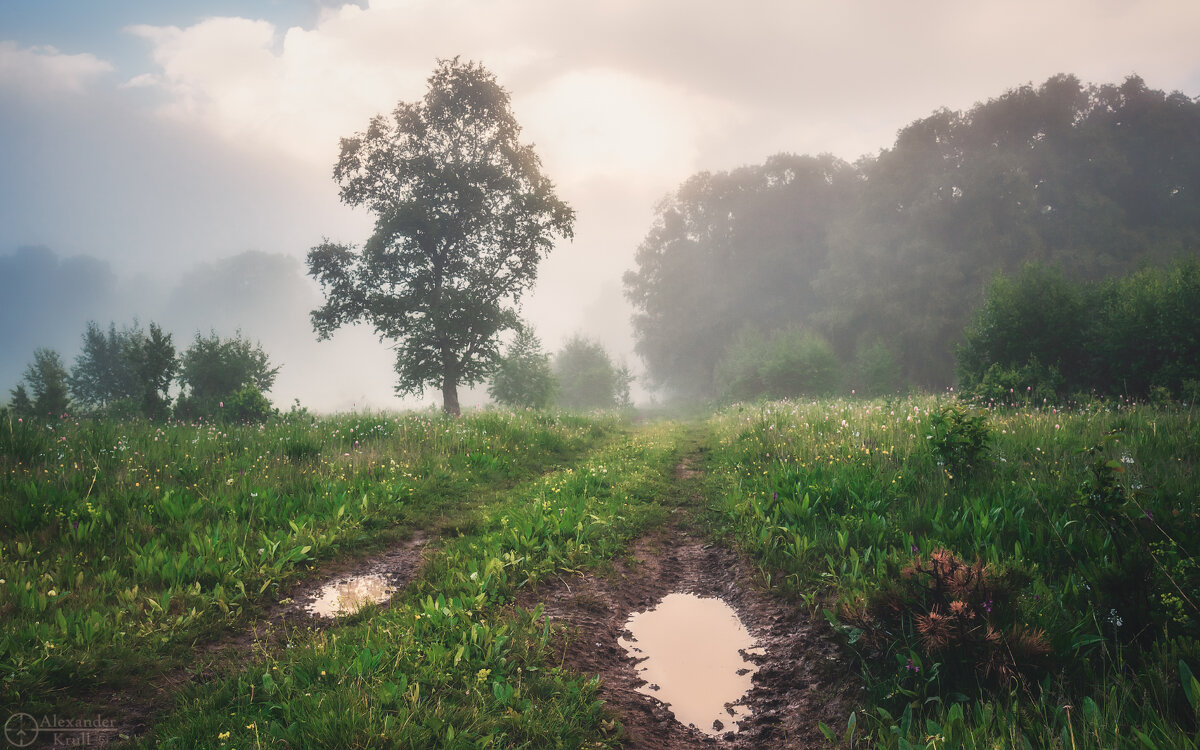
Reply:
x=47, y=393
x=523, y=377
x=130, y=370
x=787, y=363
x=463, y=215
x=214, y=371
x=898, y=248
x=153, y=361
x=101, y=374
x=20, y=403
x=732, y=250
x=876, y=371
x=587, y=377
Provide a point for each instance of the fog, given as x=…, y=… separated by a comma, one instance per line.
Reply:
x=174, y=166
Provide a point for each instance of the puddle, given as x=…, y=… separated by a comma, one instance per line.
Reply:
x=349, y=595
x=689, y=650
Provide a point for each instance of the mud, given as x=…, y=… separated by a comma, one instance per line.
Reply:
x=800, y=679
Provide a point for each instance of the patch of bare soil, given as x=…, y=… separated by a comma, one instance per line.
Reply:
x=800, y=679
x=132, y=711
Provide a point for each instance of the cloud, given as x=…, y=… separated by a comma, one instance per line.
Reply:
x=46, y=70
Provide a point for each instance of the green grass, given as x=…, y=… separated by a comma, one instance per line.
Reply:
x=453, y=663
x=122, y=544
x=1076, y=536
x=1085, y=523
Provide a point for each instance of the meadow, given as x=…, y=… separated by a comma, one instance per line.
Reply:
x=125, y=543
x=1007, y=576
x=997, y=575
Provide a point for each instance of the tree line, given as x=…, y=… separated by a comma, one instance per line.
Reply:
x=864, y=275
x=1040, y=335
x=129, y=372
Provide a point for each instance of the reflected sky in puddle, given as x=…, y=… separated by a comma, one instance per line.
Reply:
x=690, y=645
x=349, y=595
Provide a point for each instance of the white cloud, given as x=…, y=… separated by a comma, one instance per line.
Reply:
x=45, y=69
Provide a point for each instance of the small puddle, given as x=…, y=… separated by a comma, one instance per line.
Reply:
x=349, y=595
x=689, y=647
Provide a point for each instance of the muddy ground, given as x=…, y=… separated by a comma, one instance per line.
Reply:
x=800, y=680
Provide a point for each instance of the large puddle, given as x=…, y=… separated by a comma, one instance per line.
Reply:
x=691, y=649
x=350, y=595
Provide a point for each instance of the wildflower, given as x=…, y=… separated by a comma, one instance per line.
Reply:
x=51, y=592
x=223, y=736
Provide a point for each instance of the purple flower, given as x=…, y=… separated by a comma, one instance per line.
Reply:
x=914, y=549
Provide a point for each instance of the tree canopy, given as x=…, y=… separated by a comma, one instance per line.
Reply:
x=886, y=258
x=463, y=215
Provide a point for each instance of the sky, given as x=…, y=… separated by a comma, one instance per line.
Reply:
x=150, y=151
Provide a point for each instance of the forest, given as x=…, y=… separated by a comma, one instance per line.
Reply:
x=884, y=260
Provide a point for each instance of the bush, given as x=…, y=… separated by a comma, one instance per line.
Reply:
x=958, y=439
x=1048, y=337
x=958, y=618
x=791, y=362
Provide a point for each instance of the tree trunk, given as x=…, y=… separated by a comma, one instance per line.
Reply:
x=450, y=388
x=450, y=397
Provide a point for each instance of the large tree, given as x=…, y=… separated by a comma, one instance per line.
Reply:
x=463, y=215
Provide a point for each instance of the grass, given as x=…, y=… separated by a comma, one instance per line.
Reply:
x=122, y=544
x=453, y=663
x=1076, y=536
x=1011, y=576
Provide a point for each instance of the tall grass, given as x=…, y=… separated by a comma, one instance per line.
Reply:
x=124, y=542
x=1081, y=527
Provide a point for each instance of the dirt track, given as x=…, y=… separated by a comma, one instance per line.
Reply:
x=799, y=681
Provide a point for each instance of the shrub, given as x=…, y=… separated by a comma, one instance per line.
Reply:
x=1040, y=333
x=958, y=438
x=876, y=371
x=790, y=362
x=961, y=616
